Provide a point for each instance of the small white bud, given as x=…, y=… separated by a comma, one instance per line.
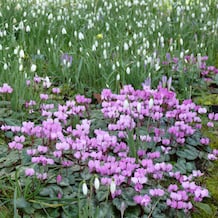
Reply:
x=64, y=31
x=21, y=53
x=118, y=77
x=33, y=68
x=5, y=67
x=128, y=70
x=85, y=189
x=139, y=107
x=151, y=103
x=126, y=104
x=96, y=183
x=112, y=187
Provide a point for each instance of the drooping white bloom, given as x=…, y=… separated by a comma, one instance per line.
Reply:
x=64, y=31
x=96, y=183
x=128, y=70
x=118, y=77
x=126, y=104
x=112, y=187
x=85, y=189
x=151, y=103
x=80, y=36
x=21, y=53
x=33, y=68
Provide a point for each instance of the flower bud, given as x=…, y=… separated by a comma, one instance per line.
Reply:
x=126, y=104
x=85, y=188
x=139, y=107
x=151, y=103
x=96, y=183
x=112, y=187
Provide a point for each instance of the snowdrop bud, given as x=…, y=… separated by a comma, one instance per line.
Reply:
x=96, y=183
x=126, y=104
x=21, y=53
x=126, y=46
x=128, y=70
x=33, y=68
x=85, y=189
x=64, y=31
x=181, y=41
x=27, y=28
x=151, y=103
x=20, y=67
x=112, y=187
x=0, y=47
x=80, y=36
x=5, y=67
x=118, y=77
x=139, y=107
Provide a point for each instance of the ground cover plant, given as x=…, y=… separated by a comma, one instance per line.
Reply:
x=77, y=140
x=140, y=153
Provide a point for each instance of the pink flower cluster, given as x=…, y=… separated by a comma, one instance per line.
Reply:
x=6, y=88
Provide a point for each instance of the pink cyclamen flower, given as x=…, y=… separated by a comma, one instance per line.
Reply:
x=29, y=172
x=43, y=96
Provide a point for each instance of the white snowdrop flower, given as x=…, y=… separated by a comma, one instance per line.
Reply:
x=0, y=47
x=80, y=36
x=171, y=48
x=125, y=104
x=96, y=183
x=70, y=44
x=157, y=66
x=24, y=14
x=138, y=64
x=126, y=46
x=117, y=48
x=113, y=67
x=38, y=52
x=6, y=26
x=51, y=41
x=21, y=67
x=47, y=41
x=112, y=187
x=33, y=68
x=27, y=28
x=5, y=66
x=181, y=54
x=80, y=49
x=85, y=189
x=14, y=20
x=162, y=39
x=151, y=103
x=139, y=107
x=64, y=31
x=50, y=16
x=18, y=7
x=21, y=53
x=4, y=33
x=99, y=65
x=105, y=54
x=0, y=14
x=117, y=63
x=118, y=77
x=128, y=70
x=21, y=25
x=93, y=48
x=204, y=10
x=16, y=50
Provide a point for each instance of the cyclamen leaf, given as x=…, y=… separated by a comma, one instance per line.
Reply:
x=206, y=208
